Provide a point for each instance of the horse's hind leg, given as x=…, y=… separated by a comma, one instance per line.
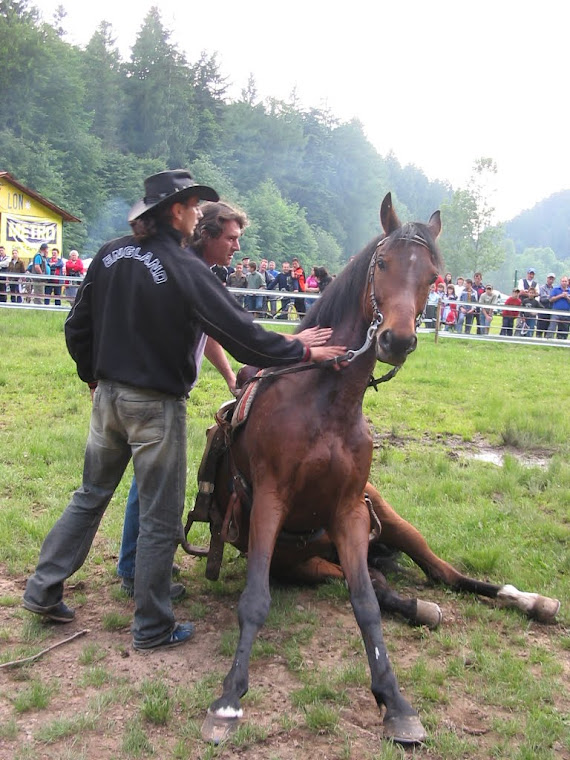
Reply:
x=350, y=535
x=224, y=713
x=399, y=534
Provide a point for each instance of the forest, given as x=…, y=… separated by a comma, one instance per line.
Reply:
x=84, y=127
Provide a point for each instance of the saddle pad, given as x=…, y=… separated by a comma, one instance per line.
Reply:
x=244, y=403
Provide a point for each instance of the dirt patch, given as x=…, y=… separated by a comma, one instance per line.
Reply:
x=279, y=729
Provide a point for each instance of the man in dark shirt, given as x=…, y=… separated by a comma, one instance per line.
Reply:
x=283, y=282
x=133, y=333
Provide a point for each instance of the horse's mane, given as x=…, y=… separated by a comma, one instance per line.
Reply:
x=343, y=297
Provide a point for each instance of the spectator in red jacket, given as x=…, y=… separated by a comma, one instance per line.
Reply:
x=509, y=315
x=73, y=269
x=298, y=275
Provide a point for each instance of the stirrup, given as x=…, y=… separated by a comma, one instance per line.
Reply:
x=200, y=513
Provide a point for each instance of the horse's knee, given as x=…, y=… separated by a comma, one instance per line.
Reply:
x=253, y=607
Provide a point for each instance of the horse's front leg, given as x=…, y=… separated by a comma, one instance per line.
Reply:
x=350, y=534
x=266, y=519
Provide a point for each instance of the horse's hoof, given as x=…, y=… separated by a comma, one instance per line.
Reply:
x=404, y=729
x=545, y=609
x=428, y=613
x=217, y=728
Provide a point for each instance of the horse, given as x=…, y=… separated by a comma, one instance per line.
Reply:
x=308, y=472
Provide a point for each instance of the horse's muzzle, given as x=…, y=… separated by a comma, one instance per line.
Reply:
x=393, y=348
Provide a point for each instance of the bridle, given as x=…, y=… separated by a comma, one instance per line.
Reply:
x=377, y=316
x=376, y=260
x=376, y=322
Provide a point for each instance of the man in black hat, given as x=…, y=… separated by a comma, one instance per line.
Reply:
x=133, y=333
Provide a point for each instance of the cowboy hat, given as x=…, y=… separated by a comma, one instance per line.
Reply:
x=165, y=188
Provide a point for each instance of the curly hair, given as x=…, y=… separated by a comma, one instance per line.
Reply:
x=147, y=225
x=214, y=216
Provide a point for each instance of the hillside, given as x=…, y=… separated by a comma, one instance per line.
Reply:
x=546, y=225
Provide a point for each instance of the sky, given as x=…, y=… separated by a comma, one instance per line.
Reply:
x=440, y=83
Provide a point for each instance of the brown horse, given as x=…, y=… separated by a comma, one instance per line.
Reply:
x=308, y=472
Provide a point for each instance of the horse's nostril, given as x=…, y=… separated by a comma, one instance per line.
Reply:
x=386, y=339
x=394, y=344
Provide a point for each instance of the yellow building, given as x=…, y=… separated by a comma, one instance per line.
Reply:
x=27, y=219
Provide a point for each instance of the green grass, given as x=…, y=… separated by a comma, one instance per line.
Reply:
x=135, y=741
x=34, y=696
x=507, y=524
x=155, y=706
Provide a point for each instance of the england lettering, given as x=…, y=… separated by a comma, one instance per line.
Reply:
x=131, y=252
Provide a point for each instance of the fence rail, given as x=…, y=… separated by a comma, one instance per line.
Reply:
x=283, y=301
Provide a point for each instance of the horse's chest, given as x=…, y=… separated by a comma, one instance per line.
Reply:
x=332, y=465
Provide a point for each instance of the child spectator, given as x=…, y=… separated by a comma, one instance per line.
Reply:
x=434, y=297
x=509, y=315
x=449, y=314
x=531, y=300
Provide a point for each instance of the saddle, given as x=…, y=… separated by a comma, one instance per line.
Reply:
x=230, y=418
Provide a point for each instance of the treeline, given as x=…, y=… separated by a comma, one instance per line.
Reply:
x=85, y=126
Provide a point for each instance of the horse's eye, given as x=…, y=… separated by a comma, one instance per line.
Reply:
x=381, y=264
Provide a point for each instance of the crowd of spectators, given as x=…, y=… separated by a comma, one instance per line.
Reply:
x=469, y=301
x=247, y=274
x=47, y=279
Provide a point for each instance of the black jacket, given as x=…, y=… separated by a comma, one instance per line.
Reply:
x=141, y=309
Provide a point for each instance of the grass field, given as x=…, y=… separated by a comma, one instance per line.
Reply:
x=488, y=684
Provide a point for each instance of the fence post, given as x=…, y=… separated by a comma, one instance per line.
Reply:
x=437, y=319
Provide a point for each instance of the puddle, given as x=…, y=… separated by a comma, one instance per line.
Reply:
x=478, y=449
x=493, y=456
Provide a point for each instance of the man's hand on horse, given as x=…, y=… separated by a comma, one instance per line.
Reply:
x=314, y=336
x=328, y=353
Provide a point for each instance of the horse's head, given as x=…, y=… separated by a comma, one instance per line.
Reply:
x=404, y=264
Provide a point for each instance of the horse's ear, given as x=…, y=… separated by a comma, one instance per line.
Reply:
x=434, y=224
x=388, y=217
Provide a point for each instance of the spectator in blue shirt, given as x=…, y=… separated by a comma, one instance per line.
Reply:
x=560, y=300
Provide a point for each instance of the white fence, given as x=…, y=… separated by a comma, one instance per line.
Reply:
x=276, y=306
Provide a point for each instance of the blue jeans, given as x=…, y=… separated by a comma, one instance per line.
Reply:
x=151, y=427
x=254, y=303
x=128, y=550
x=464, y=318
